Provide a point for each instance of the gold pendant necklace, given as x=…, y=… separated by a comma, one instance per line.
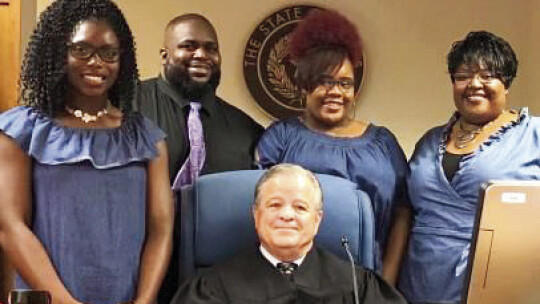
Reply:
x=86, y=117
x=466, y=136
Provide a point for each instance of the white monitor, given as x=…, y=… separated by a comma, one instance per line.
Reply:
x=504, y=261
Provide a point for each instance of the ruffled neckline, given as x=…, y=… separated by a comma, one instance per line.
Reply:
x=495, y=137
x=49, y=142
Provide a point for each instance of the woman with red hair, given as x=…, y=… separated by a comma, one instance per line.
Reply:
x=327, y=51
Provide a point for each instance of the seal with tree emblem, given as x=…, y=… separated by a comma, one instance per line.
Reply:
x=268, y=70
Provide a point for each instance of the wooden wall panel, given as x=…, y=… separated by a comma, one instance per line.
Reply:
x=10, y=37
x=10, y=45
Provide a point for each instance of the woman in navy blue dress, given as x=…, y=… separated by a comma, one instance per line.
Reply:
x=326, y=139
x=84, y=189
x=483, y=140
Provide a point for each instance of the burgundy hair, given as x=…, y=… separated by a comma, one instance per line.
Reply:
x=319, y=45
x=325, y=28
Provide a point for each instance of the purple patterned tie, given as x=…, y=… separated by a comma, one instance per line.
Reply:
x=193, y=165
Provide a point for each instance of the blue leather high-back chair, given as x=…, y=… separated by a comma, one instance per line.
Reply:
x=216, y=220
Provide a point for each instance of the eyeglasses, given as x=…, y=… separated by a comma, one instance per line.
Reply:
x=344, y=85
x=85, y=51
x=465, y=77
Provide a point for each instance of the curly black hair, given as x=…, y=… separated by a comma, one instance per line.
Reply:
x=43, y=74
x=484, y=48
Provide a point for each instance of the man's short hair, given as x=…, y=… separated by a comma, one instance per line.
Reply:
x=188, y=17
x=288, y=169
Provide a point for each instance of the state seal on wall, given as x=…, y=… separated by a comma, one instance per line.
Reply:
x=268, y=70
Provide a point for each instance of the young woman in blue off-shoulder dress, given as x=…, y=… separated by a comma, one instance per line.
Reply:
x=84, y=189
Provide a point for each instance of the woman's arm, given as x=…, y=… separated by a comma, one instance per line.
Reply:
x=397, y=242
x=160, y=216
x=21, y=246
x=402, y=213
x=271, y=146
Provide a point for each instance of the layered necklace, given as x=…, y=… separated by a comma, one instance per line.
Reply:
x=466, y=136
x=87, y=117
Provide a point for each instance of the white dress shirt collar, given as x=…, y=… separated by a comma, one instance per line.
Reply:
x=274, y=261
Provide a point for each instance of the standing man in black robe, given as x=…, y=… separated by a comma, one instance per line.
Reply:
x=287, y=267
x=191, y=71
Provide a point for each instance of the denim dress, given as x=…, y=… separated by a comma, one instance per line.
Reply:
x=89, y=192
x=435, y=263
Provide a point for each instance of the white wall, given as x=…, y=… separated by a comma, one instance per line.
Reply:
x=529, y=69
x=406, y=86
x=28, y=18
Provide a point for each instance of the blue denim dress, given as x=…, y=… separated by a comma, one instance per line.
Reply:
x=374, y=161
x=434, y=267
x=89, y=199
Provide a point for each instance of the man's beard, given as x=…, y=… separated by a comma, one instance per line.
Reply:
x=190, y=89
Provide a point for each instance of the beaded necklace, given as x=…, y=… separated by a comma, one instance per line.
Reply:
x=86, y=117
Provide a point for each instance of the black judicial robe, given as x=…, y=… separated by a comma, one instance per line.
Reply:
x=250, y=278
x=230, y=135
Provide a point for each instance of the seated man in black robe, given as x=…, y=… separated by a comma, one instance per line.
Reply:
x=287, y=267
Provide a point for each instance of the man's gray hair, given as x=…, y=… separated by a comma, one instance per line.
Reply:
x=289, y=169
